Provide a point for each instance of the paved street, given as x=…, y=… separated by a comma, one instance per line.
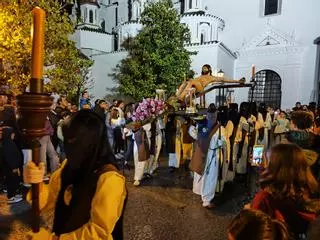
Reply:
x=164, y=208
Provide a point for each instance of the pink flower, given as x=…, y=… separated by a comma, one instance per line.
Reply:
x=148, y=108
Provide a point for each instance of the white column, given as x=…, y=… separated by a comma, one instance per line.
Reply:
x=186, y=5
x=216, y=33
x=197, y=33
x=87, y=15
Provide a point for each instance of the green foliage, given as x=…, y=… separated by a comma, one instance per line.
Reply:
x=156, y=56
x=65, y=67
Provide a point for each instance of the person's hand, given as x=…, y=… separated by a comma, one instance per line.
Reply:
x=247, y=206
x=33, y=173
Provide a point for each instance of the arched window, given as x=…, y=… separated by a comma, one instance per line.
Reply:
x=136, y=10
x=103, y=25
x=204, y=30
x=267, y=89
x=116, y=46
x=202, y=38
x=90, y=16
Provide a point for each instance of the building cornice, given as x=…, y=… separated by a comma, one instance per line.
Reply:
x=95, y=30
x=129, y=23
x=203, y=18
x=90, y=2
x=228, y=50
x=270, y=42
x=271, y=51
x=203, y=44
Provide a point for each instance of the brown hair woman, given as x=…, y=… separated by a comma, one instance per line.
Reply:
x=287, y=189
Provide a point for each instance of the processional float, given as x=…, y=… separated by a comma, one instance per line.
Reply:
x=34, y=105
x=199, y=88
x=191, y=89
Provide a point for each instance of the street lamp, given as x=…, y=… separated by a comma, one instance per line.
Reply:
x=220, y=74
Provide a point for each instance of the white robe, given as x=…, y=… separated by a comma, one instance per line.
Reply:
x=267, y=124
x=241, y=164
x=139, y=167
x=153, y=163
x=226, y=132
x=207, y=184
x=178, y=146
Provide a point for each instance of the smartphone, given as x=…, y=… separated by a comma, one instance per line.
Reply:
x=257, y=156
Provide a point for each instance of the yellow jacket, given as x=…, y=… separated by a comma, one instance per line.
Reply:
x=106, y=207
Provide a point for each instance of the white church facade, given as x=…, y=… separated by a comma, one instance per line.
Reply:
x=279, y=37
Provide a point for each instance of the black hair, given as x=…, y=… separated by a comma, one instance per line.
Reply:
x=223, y=115
x=84, y=92
x=212, y=108
x=302, y=119
x=101, y=101
x=87, y=149
x=119, y=102
x=96, y=101
x=209, y=69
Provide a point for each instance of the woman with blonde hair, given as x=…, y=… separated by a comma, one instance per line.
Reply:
x=287, y=189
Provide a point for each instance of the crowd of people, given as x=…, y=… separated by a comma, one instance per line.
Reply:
x=215, y=148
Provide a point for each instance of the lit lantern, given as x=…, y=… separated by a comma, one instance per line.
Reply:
x=220, y=74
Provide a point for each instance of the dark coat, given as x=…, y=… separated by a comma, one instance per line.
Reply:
x=170, y=134
x=8, y=117
x=11, y=154
x=100, y=111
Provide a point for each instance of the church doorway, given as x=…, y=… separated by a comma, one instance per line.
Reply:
x=267, y=89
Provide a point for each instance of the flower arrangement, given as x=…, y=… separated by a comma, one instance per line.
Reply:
x=148, y=108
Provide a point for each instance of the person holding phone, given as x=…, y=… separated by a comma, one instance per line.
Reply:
x=287, y=187
x=257, y=156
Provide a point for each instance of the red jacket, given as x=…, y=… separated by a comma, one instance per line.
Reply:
x=296, y=215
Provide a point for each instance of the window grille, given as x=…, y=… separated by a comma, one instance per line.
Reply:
x=267, y=89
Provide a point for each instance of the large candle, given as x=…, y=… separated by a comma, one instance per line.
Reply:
x=37, y=42
x=253, y=71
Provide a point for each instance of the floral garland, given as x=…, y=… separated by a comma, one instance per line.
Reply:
x=148, y=108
